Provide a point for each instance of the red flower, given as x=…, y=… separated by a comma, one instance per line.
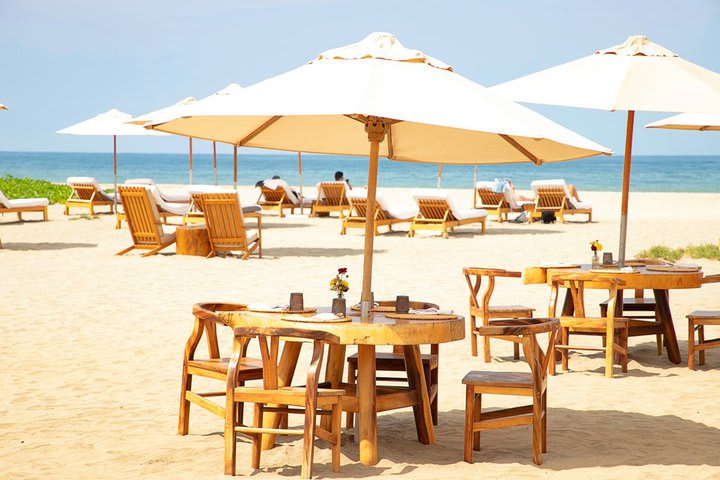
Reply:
x=342, y=270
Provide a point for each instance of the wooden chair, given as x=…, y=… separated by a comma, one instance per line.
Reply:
x=395, y=362
x=87, y=194
x=308, y=400
x=553, y=196
x=216, y=367
x=226, y=225
x=382, y=217
x=22, y=205
x=143, y=221
x=698, y=320
x=275, y=199
x=195, y=213
x=331, y=198
x=533, y=384
x=487, y=198
x=613, y=329
x=436, y=214
x=485, y=311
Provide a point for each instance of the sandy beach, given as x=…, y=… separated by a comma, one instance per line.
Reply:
x=93, y=349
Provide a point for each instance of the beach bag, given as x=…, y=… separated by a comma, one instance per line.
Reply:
x=548, y=217
x=522, y=218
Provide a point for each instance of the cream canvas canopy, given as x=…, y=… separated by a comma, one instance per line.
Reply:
x=689, y=121
x=111, y=123
x=635, y=75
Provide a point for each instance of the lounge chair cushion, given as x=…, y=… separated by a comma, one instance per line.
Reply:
x=459, y=213
x=22, y=202
x=174, y=197
x=251, y=208
x=106, y=196
x=290, y=194
x=559, y=182
x=162, y=205
x=399, y=209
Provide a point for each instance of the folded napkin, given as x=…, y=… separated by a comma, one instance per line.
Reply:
x=326, y=316
x=430, y=311
x=628, y=270
x=262, y=306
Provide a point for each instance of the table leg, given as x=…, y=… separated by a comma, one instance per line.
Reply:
x=286, y=370
x=367, y=406
x=671, y=343
x=416, y=381
x=333, y=374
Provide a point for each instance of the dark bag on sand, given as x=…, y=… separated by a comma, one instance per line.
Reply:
x=548, y=217
x=522, y=218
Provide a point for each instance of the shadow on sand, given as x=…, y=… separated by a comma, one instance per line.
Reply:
x=46, y=246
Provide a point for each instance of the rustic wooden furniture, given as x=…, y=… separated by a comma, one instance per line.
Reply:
x=556, y=199
x=143, y=221
x=309, y=400
x=533, y=384
x=436, y=214
x=192, y=240
x=88, y=195
x=659, y=282
x=485, y=311
x=613, y=329
x=367, y=334
x=395, y=362
x=226, y=225
x=382, y=217
x=215, y=366
x=331, y=198
x=22, y=205
x=698, y=320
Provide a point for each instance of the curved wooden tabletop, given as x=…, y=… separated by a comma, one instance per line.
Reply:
x=379, y=330
x=644, y=279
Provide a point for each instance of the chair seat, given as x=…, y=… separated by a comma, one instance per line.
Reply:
x=704, y=315
x=220, y=365
x=636, y=304
x=396, y=361
x=498, y=379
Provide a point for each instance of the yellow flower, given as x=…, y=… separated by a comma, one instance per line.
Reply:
x=599, y=246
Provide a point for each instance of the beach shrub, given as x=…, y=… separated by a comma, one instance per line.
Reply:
x=14, y=188
x=706, y=250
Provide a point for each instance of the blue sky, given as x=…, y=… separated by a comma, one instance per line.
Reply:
x=65, y=61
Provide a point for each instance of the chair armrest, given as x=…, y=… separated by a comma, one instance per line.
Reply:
x=711, y=278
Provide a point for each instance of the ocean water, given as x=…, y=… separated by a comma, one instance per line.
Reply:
x=649, y=173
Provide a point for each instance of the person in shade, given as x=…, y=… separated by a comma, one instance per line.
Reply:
x=339, y=177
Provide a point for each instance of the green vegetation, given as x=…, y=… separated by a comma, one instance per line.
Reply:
x=706, y=250
x=14, y=188
x=84, y=216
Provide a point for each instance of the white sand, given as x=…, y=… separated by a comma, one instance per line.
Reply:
x=92, y=346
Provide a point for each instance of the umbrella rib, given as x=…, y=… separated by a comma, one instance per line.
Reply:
x=258, y=130
x=521, y=149
x=389, y=139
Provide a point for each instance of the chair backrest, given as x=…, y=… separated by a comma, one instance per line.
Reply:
x=274, y=195
x=575, y=283
x=4, y=201
x=206, y=322
x=269, y=339
x=224, y=219
x=84, y=188
x=196, y=203
x=333, y=193
x=434, y=208
x=360, y=205
x=142, y=215
x=550, y=198
x=489, y=198
x=474, y=277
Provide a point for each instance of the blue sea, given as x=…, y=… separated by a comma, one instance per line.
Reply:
x=649, y=173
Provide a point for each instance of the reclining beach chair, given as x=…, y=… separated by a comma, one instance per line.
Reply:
x=500, y=204
x=276, y=194
x=438, y=212
x=21, y=205
x=87, y=194
x=196, y=210
x=331, y=197
x=226, y=225
x=165, y=209
x=553, y=196
x=143, y=220
x=386, y=213
x=175, y=197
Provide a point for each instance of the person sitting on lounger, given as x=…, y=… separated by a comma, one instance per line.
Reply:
x=505, y=183
x=339, y=177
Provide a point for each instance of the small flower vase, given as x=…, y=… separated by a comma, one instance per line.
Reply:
x=339, y=306
x=595, y=259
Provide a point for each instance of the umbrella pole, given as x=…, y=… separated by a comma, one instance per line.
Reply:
x=439, y=175
x=300, y=175
x=376, y=133
x=474, y=187
x=215, y=162
x=190, y=159
x=115, y=192
x=235, y=166
x=626, y=186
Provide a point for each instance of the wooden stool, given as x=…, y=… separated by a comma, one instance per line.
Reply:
x=697, y=320
x=192, y=240
x=532, y=384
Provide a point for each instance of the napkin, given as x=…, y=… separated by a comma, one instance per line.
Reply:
x=326, y=316
x=430, y=311
x=627, y=270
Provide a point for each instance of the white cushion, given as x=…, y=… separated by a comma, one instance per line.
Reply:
x=174, y=208
x=139, y=181
x=4, y=201
x=559, y=182
x=468, y=213
x=29, y=202
x=398, y=210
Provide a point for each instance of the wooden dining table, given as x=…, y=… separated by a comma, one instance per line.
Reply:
x=660, y=282
x=377, y=330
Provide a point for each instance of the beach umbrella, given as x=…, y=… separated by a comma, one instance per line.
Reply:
x=689, y=121
x=637, y=75
x=407, y=105
x=111, y=123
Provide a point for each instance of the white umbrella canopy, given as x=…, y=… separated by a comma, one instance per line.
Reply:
x=3, y=107
x=111, y=123
x=689, y=121
x=635, y=75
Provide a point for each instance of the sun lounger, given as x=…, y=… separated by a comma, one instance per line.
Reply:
x=276, y=194
x=175, y=197
x=386, y=213
x=439, y=212
x=554, y=196
x=196, y=211
x=226, y=225
x=143, y=220
x=87, y=194
x=332, y=197
x=165, y=209
x=21, y=205
x=501, y=204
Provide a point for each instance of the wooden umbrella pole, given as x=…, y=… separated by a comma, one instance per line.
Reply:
x=439, y=175
x=300, y=175
x=626, y=186
x=190, y=159
x=115, y=192
x=215, y=162
x=235, y=166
